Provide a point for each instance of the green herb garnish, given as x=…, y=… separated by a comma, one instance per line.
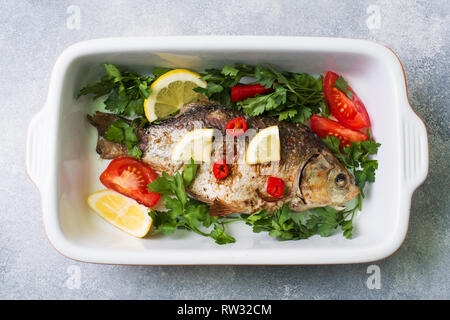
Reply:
x=126, y=91
x=295, y=96
x=285, y=224
x=121, y=132
x=220, y=81
x=158, y=71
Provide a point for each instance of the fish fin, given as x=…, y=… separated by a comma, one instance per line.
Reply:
x=110, y=150
x=102, y=121
x=220, y=208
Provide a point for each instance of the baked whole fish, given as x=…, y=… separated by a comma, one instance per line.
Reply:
x=313, y=176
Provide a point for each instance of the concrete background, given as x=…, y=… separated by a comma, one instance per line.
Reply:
x=33, y=33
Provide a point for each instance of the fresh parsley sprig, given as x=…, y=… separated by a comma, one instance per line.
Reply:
x=295, y=96
x=126, y=91
x=121, y=132
x=220, y=81
x=304, y=94
x=184, y=212
x=285, y=224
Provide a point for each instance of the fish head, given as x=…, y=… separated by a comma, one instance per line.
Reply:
x=325, y=181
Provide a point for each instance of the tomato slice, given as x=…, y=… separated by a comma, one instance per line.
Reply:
x=275, y=187
x=237, y=126
x=350, y=112
x=221, y=169
x=325, y=127
x=130, y=177
x=242, y=92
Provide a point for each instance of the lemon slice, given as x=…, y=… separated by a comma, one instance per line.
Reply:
x=123, y=212
x=196, y=144
x=264, y=147
x=170, y=92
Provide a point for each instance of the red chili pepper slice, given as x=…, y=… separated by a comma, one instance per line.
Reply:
x=237, y=126
x=242, y=92
x=221, y=169
x=275, y=187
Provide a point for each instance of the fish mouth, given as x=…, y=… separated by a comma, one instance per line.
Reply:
x=352, y=192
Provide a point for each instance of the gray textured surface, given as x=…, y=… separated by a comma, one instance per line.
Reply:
x=33, y=33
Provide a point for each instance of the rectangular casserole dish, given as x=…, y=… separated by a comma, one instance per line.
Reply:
x=62, y=162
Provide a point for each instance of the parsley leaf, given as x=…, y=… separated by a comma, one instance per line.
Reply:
x=323, y=222
x=112, y=71
x=135, y=152
x=230, y=71
x=98, y=89
x=285, y=224
x=158, y=72
x=121, y=132
x=220, y=81
x=262, y=103
x=220, y=235
x=342, y=85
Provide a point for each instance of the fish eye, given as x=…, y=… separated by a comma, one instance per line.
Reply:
x=341, y=180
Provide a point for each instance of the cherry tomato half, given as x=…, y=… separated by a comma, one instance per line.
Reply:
x=221, y=169
x=130, y=177
x=237, y=126
x=350, y=112
x=326, y=127
x=275, y=187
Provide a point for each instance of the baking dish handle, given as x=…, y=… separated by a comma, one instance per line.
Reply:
x=36, y=149
x=415, y=144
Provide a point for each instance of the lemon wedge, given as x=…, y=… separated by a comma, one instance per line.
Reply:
x=170, y=92
x=196, y=144
x=121, y=211
x=264, y=147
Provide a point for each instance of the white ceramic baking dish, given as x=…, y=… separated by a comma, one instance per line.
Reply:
x=62, y=162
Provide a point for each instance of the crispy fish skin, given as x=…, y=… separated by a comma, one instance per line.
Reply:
x=313, y=176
